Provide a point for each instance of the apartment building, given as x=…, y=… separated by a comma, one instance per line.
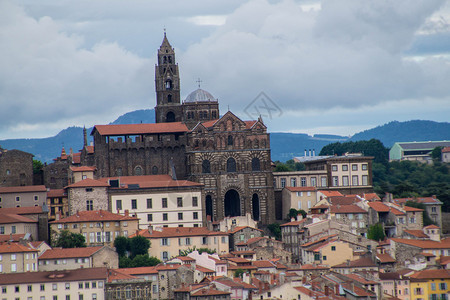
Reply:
x=79, y=284
x=167, y=242
x=158, y=200
x=299, y=198
x=22, y=196
x=57, y=203
x=17, y=224
x=18, y=257
x=74, y=258
x=98, y=227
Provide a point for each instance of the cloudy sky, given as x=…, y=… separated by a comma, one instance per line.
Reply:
x=337, y=66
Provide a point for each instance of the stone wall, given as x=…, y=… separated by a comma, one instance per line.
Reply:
x=78, y=198
x=16, y=168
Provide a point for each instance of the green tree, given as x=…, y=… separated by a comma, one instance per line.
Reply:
x=124, y=262
x=37, y=166
x=376, y=232
x=293, y=213
x=122, y=245
x=372, y=147
x=238, y=273
x=275, y=229
x=139, y=245
x=67, y=239
x=436, y=153
x=200, y=251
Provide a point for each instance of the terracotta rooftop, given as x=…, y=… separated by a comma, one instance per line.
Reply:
x=140, y=270
x=431, y=274
x=379, y=206
x=23, y=189
x=94, y=216
x=345, y=209
x=88, y=183
x=204, y=270
x=330, y=193
x=431, y=227
x=54, y=276
x=263, y=264
x=411, y=209
x=343, y=200
x=362, y=262
x=25, y=210
x=137, y=129
x=83, y=169
x=61, y=253
x=56, y=193
x=424, y=244
x=322, y=239
x=313, y=267
x=385, y=258
x=294, y=223
x=389, y=276
x=425, y=200
x=167, y=232
x=416, y=233
x=209, y=292
x=371, y=197
x=118, y=275
x=11, y=237
x=15, y=248
x=360, y=279
x=149, y=181
x=12, y=218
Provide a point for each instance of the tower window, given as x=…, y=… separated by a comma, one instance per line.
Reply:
x=169, y=98
x=231, y=165
x=230, y=140
x=256, y=166
x=168, y=85
x=206, y=166
x=165, y=59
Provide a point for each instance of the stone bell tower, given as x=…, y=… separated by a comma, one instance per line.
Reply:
x=167, y=82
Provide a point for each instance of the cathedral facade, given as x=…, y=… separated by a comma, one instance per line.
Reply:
x=190, y=140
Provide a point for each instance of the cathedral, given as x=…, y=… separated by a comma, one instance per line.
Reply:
x=192, y=141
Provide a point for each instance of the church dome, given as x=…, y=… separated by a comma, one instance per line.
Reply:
x=200, y=95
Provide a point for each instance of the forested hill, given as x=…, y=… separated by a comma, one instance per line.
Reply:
x=409, y=131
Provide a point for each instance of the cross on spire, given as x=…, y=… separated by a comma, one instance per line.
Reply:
x=199, y=82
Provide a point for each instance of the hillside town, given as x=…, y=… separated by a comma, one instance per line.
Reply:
x=200, y=188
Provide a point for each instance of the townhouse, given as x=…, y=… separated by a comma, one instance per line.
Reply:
x=167, y=242
x=79, y=284
x=98, y=227
x=74, y=258
x=18, y=257
x=22, y=196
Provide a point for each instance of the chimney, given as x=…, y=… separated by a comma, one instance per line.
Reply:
x=84, y=137
x=127, y=213
x=309, y=152
x=314, y=152
x=306, y=153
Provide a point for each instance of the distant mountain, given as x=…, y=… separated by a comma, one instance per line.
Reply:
x=285, y=146
x=409, y=131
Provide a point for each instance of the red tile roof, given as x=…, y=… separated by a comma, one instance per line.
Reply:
x=263, y=264
x=416, y=233
x=362, y=262
x=360, y=279
x=55, y=276
x=76, y=158
x=385, y=258
x=343, y=200
x=60, y=253
x=294, y=223
x=371, y=197
x=23, y=189
x=431, y=274
x=140, y=270
x=11, y=237
x=345, y=209
x=167, y=232
x=379, y=206
x=117, y=275
x=330, y=193
x=94, y=216
x=319, y=240
x=209, y=124
x=10, y=218
x=25, y=210
x=411, y=209
x=56, y=193
x=90, y=149
x=424, y=244
x=313, y=267
x=136, y=129
x=83, y=169
x=209, y=292
x=88, y=183
x=431, y=227
x=150, y=181
x=204, y=270
x=15, y=248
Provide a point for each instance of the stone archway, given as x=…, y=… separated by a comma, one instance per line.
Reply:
x=255, y=207
x=170, y=117
x=232, y=204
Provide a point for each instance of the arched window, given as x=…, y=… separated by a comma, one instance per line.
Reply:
x=138, y=171
x=168, y=85
x=256, y=166
x=169, y=98
x=170, y=59
x=230, y=140
x=155, y=170
x=231, y=165
x=165, y=59
x=170, y=117
x=206, y=166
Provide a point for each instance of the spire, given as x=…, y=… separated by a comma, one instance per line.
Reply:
x=84, y=137
x=165, y=48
